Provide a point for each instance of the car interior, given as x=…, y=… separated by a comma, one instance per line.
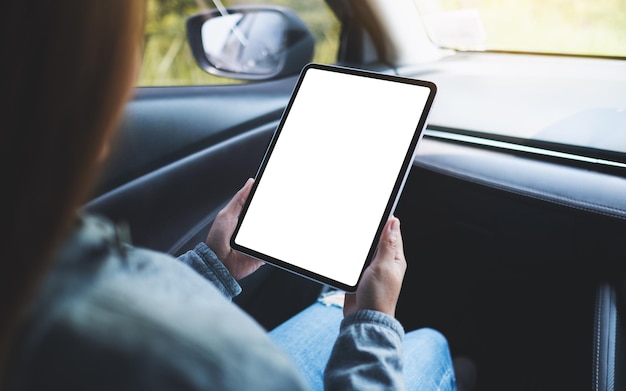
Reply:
x=513, y=215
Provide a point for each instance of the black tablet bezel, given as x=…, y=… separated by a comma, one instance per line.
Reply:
x=395, y=193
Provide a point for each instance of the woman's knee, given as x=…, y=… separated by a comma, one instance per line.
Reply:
x=430, y=339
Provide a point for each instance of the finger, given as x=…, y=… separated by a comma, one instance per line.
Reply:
x=243, y=193
x=389, y=241
x=349, y=303
x=235, y=205
x=400, y=245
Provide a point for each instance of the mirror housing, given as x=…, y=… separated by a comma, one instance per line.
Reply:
x=250, y=42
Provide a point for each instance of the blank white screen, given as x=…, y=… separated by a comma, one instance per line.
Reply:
x=328, y=180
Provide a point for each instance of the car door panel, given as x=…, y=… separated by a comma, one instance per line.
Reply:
x=163, y=124
x=174, y=204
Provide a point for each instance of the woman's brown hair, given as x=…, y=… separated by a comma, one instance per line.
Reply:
x=67, y=68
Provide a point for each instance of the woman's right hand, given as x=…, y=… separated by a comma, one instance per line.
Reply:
x=381, y=282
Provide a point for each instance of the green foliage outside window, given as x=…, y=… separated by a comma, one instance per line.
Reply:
x=580, y=27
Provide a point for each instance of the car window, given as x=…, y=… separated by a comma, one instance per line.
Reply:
x=168, y=60
x=579, y=27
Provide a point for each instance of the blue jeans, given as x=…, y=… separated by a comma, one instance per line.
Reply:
x=309, y=336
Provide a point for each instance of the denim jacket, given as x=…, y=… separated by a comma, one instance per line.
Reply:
x=113, y=317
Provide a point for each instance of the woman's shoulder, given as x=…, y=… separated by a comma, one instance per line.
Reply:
x=108, y=307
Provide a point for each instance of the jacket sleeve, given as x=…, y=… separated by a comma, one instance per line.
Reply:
x=367, y=354
x=204, y=261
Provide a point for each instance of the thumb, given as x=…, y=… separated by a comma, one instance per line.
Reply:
x=235, y=205
x=381, y=282
x=390, y=241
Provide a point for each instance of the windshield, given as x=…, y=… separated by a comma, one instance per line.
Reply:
x=576, y=27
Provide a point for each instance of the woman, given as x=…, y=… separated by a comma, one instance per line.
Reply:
x=82, y=309
x=71, y=65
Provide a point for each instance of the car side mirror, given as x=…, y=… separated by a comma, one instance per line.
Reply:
x=250, y=43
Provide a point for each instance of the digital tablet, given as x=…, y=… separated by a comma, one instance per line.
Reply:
x=333, y=172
